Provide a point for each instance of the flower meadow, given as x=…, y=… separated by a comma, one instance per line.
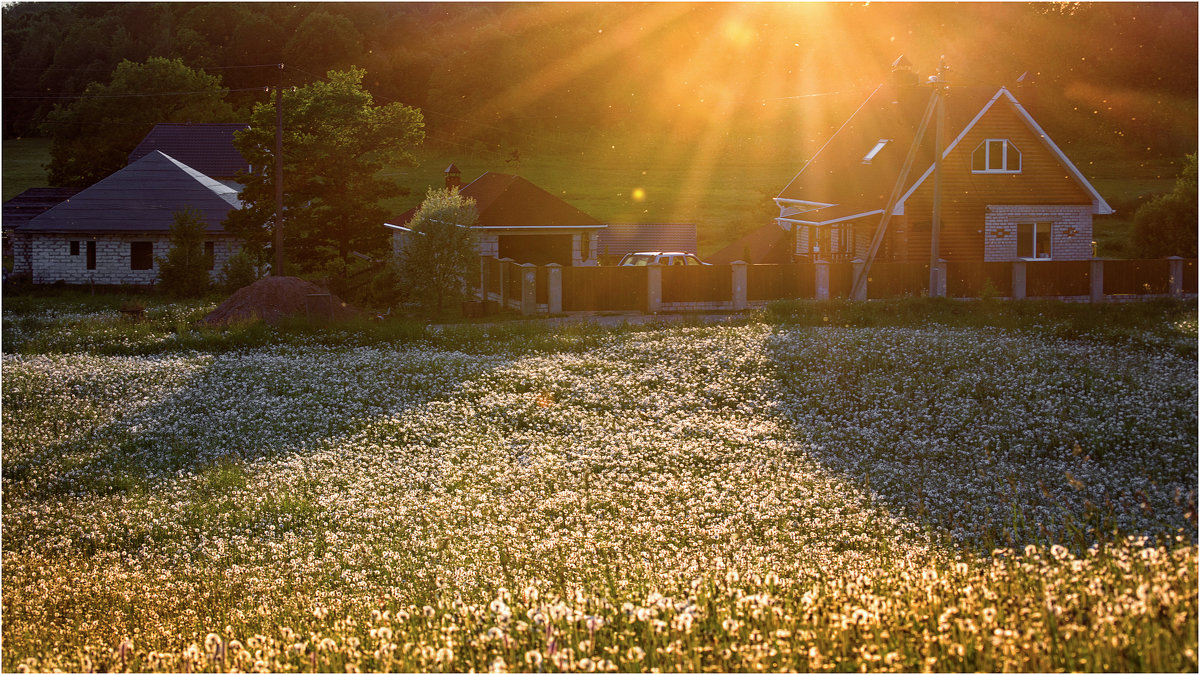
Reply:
x=744, y=497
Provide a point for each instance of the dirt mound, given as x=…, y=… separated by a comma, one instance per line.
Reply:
x=275, y=298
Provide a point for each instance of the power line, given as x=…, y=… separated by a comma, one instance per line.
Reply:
x=92, y=66
x=64, y=97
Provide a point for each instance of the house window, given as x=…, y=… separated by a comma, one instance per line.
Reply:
x=210, y=253
x=1033, y=240
x=91, y=255
x=996, y=155
x=875, y=150
x=74, y=248
x=141, y=255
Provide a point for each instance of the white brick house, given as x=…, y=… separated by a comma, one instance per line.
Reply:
x=115, y=231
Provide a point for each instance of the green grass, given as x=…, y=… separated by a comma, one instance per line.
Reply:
x=24, y=161
x=726, y=194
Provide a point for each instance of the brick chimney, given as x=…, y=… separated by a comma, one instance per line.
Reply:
x=903, y=74
x=453, y=177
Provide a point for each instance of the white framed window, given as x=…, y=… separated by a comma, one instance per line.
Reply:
x=1034, y=240
x=996, y=155
x=875, y=150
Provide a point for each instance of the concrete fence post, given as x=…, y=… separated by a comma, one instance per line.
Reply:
x=654, y=287
x=859, y=265
x=822, y=279
x=554, y=277
x=939, y=290
x=739, y=285
x=1175, y=276
x=528, y=274
x=1018, y=280
x=1096, y=277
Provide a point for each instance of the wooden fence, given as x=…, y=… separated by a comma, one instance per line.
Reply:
x=552, y=289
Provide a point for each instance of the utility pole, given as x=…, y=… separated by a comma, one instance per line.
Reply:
x=277, y=267
x=939, y=143
x=901, y=182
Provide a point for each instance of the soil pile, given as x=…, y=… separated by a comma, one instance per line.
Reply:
x=275, y=298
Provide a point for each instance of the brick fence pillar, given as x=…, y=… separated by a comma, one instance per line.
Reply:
x=1175, y=274
x=1018, y=280
x=528, y=272
x=654, y=287
x=505, y=272
x=1096, y=274
x=739, y=285
x=485, y=270
x=554, y=288
x=822, y=279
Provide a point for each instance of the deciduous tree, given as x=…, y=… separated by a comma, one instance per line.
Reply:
x=93, y=136
x=439, y=253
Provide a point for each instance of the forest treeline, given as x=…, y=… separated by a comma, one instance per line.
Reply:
x=1114, y=74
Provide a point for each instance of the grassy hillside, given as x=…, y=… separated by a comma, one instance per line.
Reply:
x=726, y=193
x=24, y=164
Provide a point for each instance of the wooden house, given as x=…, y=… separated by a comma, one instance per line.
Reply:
x=1008, y=191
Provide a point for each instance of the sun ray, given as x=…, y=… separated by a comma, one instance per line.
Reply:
x=622, y=42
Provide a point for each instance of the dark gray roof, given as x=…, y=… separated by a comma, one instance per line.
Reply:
x=142, y=197
x=34, y=202
x=207, y=148
x=622, y=238
x=769, y=244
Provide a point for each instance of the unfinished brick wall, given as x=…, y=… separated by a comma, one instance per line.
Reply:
x=50, y=258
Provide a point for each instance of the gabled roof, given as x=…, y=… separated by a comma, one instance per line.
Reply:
x=767, y=245
x=1100, y=206
x=854, y=175
x=840, y=174
x=34, y=202
x=622, y=238
x=506, y=201
x=142, y=197
x=207, y=148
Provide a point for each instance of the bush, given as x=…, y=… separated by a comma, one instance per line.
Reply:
x=238, y=272
x=184, y=271
x=1166, y=225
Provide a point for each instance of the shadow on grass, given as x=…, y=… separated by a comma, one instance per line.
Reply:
x=1001, y=424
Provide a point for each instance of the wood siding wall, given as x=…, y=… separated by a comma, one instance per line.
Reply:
x=966, y=195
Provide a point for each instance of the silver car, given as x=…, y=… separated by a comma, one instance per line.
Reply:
x=661, y=257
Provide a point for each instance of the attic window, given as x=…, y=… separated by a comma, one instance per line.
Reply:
x=875, y=150
x=996, y=155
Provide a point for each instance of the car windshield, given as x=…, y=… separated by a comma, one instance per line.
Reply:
x=640, y=260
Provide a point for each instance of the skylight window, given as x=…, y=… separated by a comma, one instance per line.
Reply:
x=875, y=150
